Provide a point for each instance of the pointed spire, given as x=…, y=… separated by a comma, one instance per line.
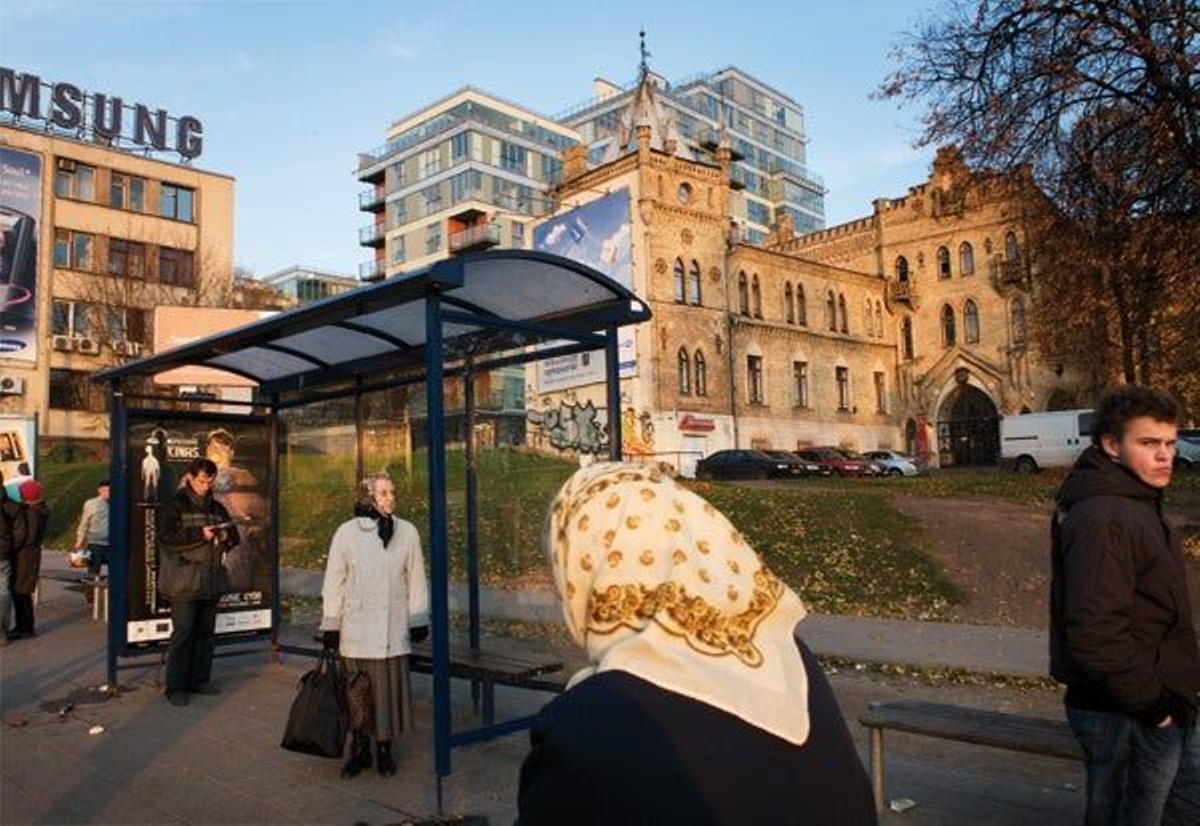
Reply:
x=644, y=67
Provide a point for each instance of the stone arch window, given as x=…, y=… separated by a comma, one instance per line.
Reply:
x=685, y=373
x=789, y=304
x=801, y=306
x=943, y=262
x=1011, y=251
x=743, y=294
x=694, y=282
x=906, y=337
x=879, y=319
x=680, y=287
x=1018, y=320
x=756, y=295
x=842, y=316
x=868, y=324
x=966, y=259
x=901, y=268
x=949, y=328
x=701, y=368
x=970, y=322
x=831, y=311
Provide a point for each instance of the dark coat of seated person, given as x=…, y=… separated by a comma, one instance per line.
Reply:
x=700, y=706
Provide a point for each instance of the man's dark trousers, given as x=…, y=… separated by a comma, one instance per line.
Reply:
x=189, y=658
x=97, y=556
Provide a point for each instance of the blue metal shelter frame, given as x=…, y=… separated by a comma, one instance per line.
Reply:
x=459, y=317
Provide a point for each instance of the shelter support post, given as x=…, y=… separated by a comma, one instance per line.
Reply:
x=472, y=523
x=612, y=376
x=120, y=504
x=273, y=451
x=360, y=434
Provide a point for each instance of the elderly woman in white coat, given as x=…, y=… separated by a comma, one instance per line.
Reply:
x=375, y=604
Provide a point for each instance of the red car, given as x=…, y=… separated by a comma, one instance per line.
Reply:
x=831, y=458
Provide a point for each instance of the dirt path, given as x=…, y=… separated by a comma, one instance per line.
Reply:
x=998, y=552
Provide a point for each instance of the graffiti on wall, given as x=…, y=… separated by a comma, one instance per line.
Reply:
x=580, y=428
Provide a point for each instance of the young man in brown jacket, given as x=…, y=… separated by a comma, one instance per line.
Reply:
x=1121, y=631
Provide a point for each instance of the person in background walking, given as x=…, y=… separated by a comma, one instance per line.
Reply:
x=1121, y=633
x=22, y=531
x=92, y=533
x=375, y=605
x=194, y=531
x=700, y=705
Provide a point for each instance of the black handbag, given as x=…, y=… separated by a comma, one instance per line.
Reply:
x=318, y=721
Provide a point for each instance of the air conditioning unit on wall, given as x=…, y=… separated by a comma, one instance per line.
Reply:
x=64, y=343
x=11, y=385
x=87, y=346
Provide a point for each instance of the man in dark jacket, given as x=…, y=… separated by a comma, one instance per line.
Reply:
x=194, y=531
x=1121, y=631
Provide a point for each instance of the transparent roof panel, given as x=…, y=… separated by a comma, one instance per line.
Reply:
x=261, y=362
x=336, y=344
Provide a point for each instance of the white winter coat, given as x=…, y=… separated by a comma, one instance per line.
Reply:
x=373, y=594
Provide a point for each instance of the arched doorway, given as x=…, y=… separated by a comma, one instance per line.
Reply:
x=968, y=428
x=910, y=437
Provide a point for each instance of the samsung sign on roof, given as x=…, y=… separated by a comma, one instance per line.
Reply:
x=66, y=106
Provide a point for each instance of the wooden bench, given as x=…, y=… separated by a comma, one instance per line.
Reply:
x=1034, y=735
x=489, y=667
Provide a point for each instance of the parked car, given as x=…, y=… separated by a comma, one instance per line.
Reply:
x=1187, y=451
x=1033, y=441
x=744, y=464
x=893, y=463
x=831, y=459
x=872, y=468
x=794, y=461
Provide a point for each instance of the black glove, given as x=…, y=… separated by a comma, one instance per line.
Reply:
x=331, y=640
x=418, y=634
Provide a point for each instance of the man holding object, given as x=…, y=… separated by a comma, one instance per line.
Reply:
x=194, y=531
x=1121, y=632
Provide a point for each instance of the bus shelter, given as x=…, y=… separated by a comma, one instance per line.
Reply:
x=455, y=319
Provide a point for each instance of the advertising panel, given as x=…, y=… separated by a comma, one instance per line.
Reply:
x=20, y=212
x=160, y=448
x=18, y=445
x=596, y=234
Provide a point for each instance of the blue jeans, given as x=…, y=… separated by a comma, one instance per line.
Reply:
x=1138, y=774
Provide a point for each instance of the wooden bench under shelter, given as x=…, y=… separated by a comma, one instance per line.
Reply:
x=1033, y=735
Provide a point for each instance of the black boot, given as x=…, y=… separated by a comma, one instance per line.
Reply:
x=383, y=757
x=360, y=756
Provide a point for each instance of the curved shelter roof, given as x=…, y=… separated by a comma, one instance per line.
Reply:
x=490, y=302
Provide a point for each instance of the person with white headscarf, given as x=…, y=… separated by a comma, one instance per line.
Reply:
x=699, y=705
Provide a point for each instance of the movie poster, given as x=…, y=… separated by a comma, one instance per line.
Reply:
x=160, y=448
x=18, y=448
x=20, y=212
x=596, y=234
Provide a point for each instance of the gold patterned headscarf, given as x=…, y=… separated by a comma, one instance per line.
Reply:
x=656, y=582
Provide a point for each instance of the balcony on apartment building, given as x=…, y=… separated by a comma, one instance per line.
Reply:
x=371, y=235
x=373, y=270
x=372, y=200
x=471, y=230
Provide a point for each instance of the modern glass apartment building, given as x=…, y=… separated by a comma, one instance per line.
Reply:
x=466, y=172
x=305, y=285
x=762, y=125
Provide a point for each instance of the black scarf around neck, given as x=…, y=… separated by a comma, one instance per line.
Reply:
x=383, y=523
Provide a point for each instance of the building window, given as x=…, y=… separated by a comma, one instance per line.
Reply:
x=701, y=374
x=1011, y=251
x=743, y=295
x=176, y=267
x=694, y=283
x=433, y=238
x=831, y=311
x=73, y=390
x=756, y=294
x=906, y=338
x=1018, y=321
x=789, y=304
x=845, y=321
x=880, y=393
x=73, y=250
x=126, y=258
x=127, y=192
x=433, y=198
x=966, y=259
x=125, y=324
x=868, y=324
x=901, y=268
x=399, y=213
x=685, y=373
x=948, y=326
x=879, y=319
x=74, y=180
x=680, y=286
x=175, y=202
x=943, y=262
x=398, y=254
x=460, y=146
x=843, y=388
x=801, y=306
x=60, y=318
x=512, y=157
x=800, y=383
x=757, y=212
x=431, y=162
x=971, y=322
x=754, y=377
x=518, y=234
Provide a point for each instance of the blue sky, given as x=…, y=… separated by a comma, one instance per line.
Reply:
x=290, y=91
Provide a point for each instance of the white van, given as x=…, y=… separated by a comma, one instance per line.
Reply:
x=1033, y=441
